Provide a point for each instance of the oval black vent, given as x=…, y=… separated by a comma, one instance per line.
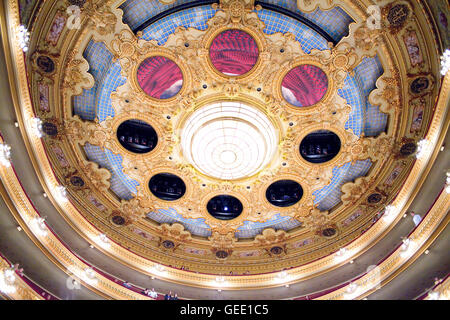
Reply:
x=167, y=186
x=320, y=146
x=137, y=136
x=224, y=207
x=284, y=193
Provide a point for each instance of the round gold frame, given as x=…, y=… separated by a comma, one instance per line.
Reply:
x=255, y=36
x=308, y=60
x=162, y=52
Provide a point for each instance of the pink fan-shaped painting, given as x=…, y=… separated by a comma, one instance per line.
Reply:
x=160, y=77
x=233, y=52
x=304, y=86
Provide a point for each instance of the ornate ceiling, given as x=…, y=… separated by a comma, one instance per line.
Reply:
x=231, y=93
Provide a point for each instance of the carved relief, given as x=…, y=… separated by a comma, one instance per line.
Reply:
x=188, y=47
x=353, y=191
x=99, y=177
x=175, y=231
x=270, y=236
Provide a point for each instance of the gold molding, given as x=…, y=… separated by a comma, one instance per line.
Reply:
x=22, y=290
x=413, y=181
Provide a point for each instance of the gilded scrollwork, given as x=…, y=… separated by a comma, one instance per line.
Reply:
x=311, y=5
x=99, y=177
x=317, y=220
x=100, y=17
x=188, y=48
x=133, y=209
x=270, y=237
x=387, y=96
x=175, y=231
x=98, y=134
x=352, y=191
x=77, y=77
x=377, y=148
x=222, y=241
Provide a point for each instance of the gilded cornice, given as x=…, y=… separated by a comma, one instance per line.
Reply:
x=331, y=113
x=22, y=290
x=436, y=220
x=442, y=289
x=87, y=230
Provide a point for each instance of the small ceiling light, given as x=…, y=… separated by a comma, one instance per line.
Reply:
x=405, y=215
x=341, y=252
x=352, y=287
x=39, y=226
x=90, y=276
x=406, y=248
x=16, y=124
x=104, y=241
x=427, y=251
x=445, y=62
x=7, y=280
x=405, y=244
x=351, y=261
x=36, y=126
x=159, y=268
x=44, y=195
x=23, y=37
x=447, y=182
x=389, y=213
x=219, y=290
x=61, y=193
x=5, y=155
x=434, y=295
x=287, y=286
x=19, y=228
x=91, y=246
x=423, y=147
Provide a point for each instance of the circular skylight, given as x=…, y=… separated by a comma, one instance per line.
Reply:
x=228, y=140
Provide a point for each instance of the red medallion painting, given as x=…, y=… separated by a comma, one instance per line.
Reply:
x=160, y=77
x=304, y=86
x=233, y=52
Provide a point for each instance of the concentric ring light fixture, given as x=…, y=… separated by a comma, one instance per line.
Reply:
x=229, y=140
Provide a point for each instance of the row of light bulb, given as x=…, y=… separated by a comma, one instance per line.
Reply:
x=445, y=62
x=23, y=37
x=7, y=280
x=36, y=125
x=5, y=155
x=447, y=182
